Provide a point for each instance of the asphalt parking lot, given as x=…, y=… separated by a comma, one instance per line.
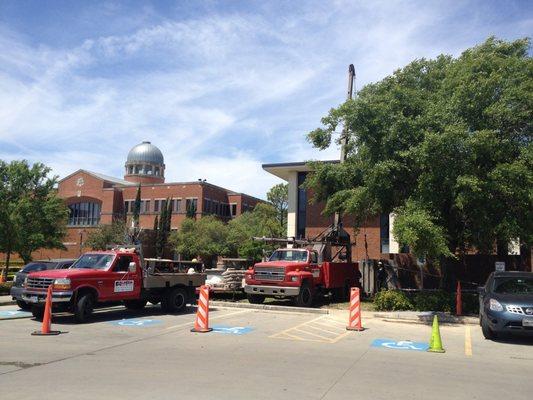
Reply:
x=255, y=355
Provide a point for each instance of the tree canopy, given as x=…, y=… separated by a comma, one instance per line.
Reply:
x=278, y=195
x=104, y=235
x=31, y=214
x=262, y=221
x=446, y=144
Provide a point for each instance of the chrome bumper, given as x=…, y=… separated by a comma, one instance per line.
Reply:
x=34, y=297
x=272, y=290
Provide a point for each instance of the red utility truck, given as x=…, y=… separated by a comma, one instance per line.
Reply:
x=118, y=275
x=303, y=272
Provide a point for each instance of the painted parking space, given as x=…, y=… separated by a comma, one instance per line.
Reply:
x=392, y=344
x=232, y=330
x=135, y=322
x=324, y=329
x=14, y=314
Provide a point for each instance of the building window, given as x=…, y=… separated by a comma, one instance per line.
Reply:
x=207, y=205
x=159, y=204
x=233, y=209
x=302, y=206
x=145, y=207
x=85, y=214
x=176, y=205
x=191, y=204
x=384, y=228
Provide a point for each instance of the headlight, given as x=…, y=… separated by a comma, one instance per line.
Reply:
x=62, y=284
x=495, y=305
x=294, y=278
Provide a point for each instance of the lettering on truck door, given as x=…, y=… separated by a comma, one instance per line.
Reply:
x=126, y=284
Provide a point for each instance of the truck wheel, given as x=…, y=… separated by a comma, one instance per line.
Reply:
x=256, y=299
x=175, y=300
x=23, y=305
x=305, y=297
x=37, y=312
x=485, y=329
x=83, y=307
x=135, y=304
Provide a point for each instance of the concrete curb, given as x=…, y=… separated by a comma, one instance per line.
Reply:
x=296, y=310
x=8, y=303
x=425, y=318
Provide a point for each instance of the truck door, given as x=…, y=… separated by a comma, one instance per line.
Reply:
x=315, y=268
x=126, y=284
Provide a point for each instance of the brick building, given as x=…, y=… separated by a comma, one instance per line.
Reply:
x=373, y=240
x=94, y=198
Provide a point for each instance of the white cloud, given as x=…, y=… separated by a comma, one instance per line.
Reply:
x=219, y=93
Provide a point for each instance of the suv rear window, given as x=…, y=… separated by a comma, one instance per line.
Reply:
x=35, y=266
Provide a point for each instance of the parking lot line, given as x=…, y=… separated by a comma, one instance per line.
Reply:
x=468, y=342
x=322, y=329
x=212, y=318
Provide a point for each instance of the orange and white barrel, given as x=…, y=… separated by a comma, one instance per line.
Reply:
x=201, y=324
x=354, y=318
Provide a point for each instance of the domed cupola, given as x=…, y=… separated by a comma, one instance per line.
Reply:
x=145, y=164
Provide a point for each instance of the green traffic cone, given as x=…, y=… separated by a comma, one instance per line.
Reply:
x=435, y=343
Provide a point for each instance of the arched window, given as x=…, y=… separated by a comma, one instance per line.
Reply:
x=84, y=214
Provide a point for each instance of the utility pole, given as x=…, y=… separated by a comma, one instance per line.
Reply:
x=344, y=137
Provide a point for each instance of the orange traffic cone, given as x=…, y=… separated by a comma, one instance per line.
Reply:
x=47, y=317
x=2, y=280
x=458, y=300
x=201, y=324
x=354, y=319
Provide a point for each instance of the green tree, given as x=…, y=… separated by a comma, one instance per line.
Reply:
x=446, y=144
x=163, y=228
x=205, y=237
x=190, y=211
x=278, y=195
x=31, y=214
x=104, y=235
x=137, y=207
x=262, y=221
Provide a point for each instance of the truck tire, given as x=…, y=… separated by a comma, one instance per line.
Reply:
x=83, y=308
x=37, y=312
x=135, y=304
x=175, y=300
x=255, y=299
x=23, y=305
x=305, y=297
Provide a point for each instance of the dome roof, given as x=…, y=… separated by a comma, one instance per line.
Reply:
x=145, y=152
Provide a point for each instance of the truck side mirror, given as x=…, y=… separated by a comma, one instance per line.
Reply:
x=132, y=267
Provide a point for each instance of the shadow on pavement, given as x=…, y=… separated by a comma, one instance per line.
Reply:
x=115, y=314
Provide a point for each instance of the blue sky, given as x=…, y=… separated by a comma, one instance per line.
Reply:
x=220, y=87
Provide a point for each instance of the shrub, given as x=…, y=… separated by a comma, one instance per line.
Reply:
x=433, y=301
x=392, y=300
x=470, y=303
x=5, y=287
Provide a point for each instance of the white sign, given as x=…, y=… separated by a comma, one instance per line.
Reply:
x=123, y=286
x=500, y=266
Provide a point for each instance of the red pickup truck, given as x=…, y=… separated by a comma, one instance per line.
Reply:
x=301, y=274
x=119, y=275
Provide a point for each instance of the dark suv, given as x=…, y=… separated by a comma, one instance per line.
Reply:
x=506, y=304
x=18, y=279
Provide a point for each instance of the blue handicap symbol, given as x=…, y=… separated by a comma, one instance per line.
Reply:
x=135, y=322
x=400, y=345
x=232, y=330
x=14, y=314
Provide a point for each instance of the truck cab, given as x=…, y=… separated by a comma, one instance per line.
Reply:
x=300, y=274
x=118, y=275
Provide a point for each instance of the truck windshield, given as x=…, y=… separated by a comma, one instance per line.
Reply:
x=94, y=261
x=289, y=255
